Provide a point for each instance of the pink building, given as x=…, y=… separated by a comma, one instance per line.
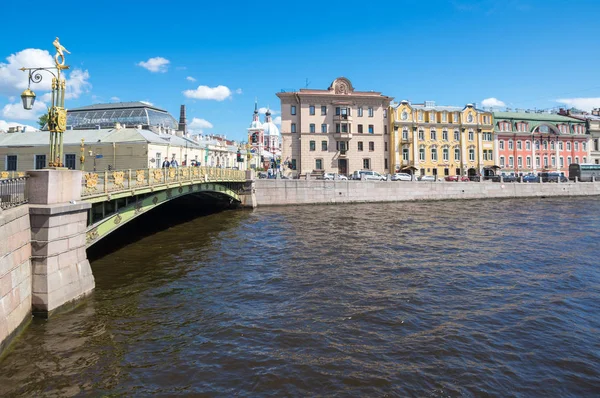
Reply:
x=532, y=142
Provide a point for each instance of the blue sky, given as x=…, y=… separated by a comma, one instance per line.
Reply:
x=525, y=53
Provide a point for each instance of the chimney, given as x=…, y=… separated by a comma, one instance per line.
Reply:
x=182, y=120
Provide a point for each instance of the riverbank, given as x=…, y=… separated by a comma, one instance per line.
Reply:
x=301, y=192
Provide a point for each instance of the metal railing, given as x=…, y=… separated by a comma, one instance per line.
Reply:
x=95, y=183
x=13, y=192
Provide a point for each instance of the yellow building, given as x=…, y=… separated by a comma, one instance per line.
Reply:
x=441, y=140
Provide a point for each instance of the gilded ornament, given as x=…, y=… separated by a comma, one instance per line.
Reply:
x=118, y=177
x=21, y=174
x=185, y=173
x=117, y=220
x=172, y=173
x=158, y=175
x=91, y=235
x=4, y=174
x=138, y=207
x=195, y=172
x=61, y=119
x=155, y=200
x=140, y=175
x=169, y=194
x=91, y=180
x=180, y=190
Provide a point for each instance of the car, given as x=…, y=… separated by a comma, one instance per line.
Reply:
x=553, y=177
x=402, y=177
x=368, y=175
x=531, y=178
x=502, y=177
x=426, y=178
x=456, y=178
x=328, y=176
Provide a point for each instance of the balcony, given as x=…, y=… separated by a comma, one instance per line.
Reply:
x=343, y=153
x=342, y=136
x=342, y=118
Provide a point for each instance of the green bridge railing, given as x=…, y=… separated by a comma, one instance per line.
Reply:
x=109, y=181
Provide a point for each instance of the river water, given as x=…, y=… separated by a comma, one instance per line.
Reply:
x=457, y=298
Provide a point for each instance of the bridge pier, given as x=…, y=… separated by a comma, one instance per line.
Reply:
x=248, y=196
x=61, y=272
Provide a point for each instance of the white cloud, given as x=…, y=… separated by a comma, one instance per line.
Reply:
x=156, y=64
x=191, y=79
x=115, y=99
x=13, y=80
x=238, y=91
x=277, y=120
x=197, y=125
x=263, y=110
x=17, y=112
x=492, y=103
x=585, y=104
x=218, y=93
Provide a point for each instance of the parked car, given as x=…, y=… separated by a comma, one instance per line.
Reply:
x=553, y=177
x=502, y=177
x=368, y=175
x=456, y=178
x=262, y=174
x=334, y=176
x=426, y=178
x=531, y=178
x=401, y=177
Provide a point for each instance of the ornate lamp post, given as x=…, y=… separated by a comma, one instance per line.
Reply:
x=57, y=114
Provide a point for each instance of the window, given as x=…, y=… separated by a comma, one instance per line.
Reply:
x=312, y=145
x=337, y=128
x=487, y=136
x=421, y=135
x=384, y=129
x=323, y=110
x=488, y=154
x=385, y=163
x=40, y=161
x=528, y=145
x=370, y=112
x=312, y=127
x=519, y=145
x=545, y=161
x=405, y=153
x=456, y=136
x=569, y=160
x=344, y=127
x=371, y=146
x=337, y=111
x=472, y=154
x=420, y=116
x=576, y=144
x=553, y=160
x=404, y=135
x=444, y=117
x=510, y=144
x=445, y=135
x=562, y=161
x=385, y=116
x=293, y=109
x=385, y=146
x=529, y=161
x=323, y=128
x=576, y=159
x=293, y=127
x=457, y=154
x=324, y=145
x=511, y=161
x=311, y=110
x=552, y=145
x=456, y=117
x=370, y=129
x=445, y=153
x=471, y=136
x=360, y=146
x=319, y=164
x=568, y=146
x=433, y=135
x=422, y=153
x=360, y=111
x=501, y=161
x=584, y=160
x=520, y=162
x=432, y=117
x=293, y=164
x=360, y=128
x=545, y=145
x=537, y=161
x=434, y=154
x=537, y=145
x=501, y=144
x=366, y=164
x=70, y=162
x=584, y=147
x=11, y=163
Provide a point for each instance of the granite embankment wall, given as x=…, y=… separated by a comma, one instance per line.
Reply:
x=301, y=192
x=15, y=272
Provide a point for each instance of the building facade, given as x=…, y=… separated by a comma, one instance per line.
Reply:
x=532, y=142
x=264, y=141
x=441, y=140
x=337, y=130
x=592, y=121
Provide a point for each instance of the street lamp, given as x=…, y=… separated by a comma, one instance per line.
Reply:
x=57, y=114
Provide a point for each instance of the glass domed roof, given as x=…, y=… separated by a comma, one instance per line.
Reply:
x=125, y=113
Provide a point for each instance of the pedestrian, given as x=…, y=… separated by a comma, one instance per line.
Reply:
x=174, y=163
x=166, y=163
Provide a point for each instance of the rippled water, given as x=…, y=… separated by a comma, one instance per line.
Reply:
x=463, y=298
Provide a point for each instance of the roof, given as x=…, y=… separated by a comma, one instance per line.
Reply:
x=116, y=105
x=542, y=117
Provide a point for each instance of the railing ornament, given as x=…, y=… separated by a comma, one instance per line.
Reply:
x=172, y=173
x=158, y=174
x=118, y=178
x=140, y=175
x=91, y=180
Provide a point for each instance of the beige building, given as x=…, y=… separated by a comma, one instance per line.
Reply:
x=334, y=130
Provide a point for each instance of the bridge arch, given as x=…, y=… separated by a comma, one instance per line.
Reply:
x=98, y=230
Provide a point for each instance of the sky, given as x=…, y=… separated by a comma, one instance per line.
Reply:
x=218, y=57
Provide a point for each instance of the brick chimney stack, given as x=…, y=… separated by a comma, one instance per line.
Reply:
x=182, y=120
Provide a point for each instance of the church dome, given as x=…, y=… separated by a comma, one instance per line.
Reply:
x=256, y=125
x=269, y=127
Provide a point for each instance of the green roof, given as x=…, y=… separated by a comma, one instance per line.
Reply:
x=540, y=117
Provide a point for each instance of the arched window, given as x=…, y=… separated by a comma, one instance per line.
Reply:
x=422, y=153
x=584, y=147
x=434, y=154
x=445, y=154
x=501, y=161
x=457, y=154
x=552, y=145
x=433, y=135
x=421, y=135
x=537, y=145
x=545, y=143
x=472, y=154
x=576, y=146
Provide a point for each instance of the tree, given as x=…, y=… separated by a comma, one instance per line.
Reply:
x=43, y=120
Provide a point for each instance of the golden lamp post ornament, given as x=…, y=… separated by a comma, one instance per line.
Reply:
x=57, y=114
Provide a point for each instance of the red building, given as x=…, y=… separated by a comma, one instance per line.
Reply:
x=533, y=142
